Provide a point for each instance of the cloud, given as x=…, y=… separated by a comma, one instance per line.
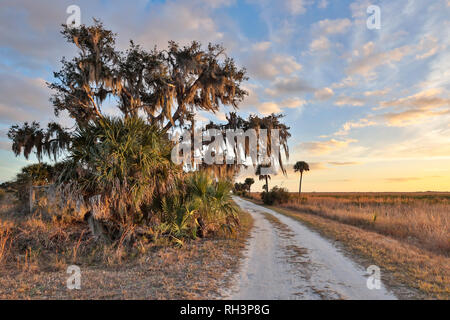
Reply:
x=412, y=116
x=268, y=108
x=323, y=147
x=275, y=107
x=252, y=98
x=359, y=9
x=273, y=9
x=343, y=163
x=324, y=94
x=221, y=116
x=327, y=27
x=403, y=179
x=344, y=83
x=425, y=99
x=320, y=44
x=376, y=93
x=29, y=33
x=261, y=46
x=36, y=25
x=322, y=4
x=216, y=3
x=293, y=103
x=22, y=98
x=317, y=166
x=263, y=64
x=367, y=58
x=322, y=29
x=417, y=107
x=429, y=47
x=296, y=7
x=341, y=180
x=349, y=125
x=252, y=101
x=288, y=85
x=175, y=20
x=423, y=142
x=344, y=100
x=371, y=59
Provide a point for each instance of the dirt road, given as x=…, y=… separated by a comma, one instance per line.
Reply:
x=286, y=260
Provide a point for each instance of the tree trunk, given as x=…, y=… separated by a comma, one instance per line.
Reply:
x=97, y=229
x=300, y=186
x=32, y=196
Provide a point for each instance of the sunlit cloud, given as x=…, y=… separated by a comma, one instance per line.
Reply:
x=349, y=125
x=323, y=147
x=403, y=179
x=425, y=99
x=320, y=44
x=350, y=101
x=369, y=58
x=377, y=93
x=324, y=93
x=343, y=163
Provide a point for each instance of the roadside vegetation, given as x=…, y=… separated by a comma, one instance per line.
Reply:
x=35, y=252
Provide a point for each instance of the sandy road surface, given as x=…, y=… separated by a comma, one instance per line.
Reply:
x=286, y=260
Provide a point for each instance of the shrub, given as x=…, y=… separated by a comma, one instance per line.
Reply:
x=275, y=196
x=215, y=207
x=205, y=207
x=127, y=162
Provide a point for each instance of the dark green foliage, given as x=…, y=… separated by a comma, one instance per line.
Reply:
x=125, y=161
x=275, y=196
x=49, y=142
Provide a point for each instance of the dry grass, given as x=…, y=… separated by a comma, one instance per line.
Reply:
x=414, y=253
x=420, y=219
x=5, y=240
x=35, y=254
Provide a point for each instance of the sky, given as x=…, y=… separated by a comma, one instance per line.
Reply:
x=368, y=109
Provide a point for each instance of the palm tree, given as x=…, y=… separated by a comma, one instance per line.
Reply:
x=248, y=183
x=301, y=166
x=125, y=161
x=263, y=176
x=213, y=202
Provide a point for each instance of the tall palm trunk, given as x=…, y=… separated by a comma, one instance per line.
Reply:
x=300, y=186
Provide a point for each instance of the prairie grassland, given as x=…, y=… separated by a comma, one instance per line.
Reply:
x=421, y=219
x=406, y=234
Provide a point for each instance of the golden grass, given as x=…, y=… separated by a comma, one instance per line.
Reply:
x=35, y=253
x=420, y=219
x=5, y=240
x=414, y=254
